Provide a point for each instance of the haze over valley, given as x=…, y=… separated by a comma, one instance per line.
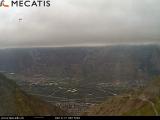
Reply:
x=75, y=78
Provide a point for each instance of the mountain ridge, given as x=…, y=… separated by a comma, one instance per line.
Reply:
x=131, y=65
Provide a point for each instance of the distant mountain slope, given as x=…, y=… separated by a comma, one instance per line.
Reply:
x=13, y=101
x=146, y=102
x=117, y=64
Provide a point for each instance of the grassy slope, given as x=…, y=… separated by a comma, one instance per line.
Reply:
x=13, y=101
x=145, y=103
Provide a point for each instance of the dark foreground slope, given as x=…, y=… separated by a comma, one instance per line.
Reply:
x=145, y=103
x=13, y=101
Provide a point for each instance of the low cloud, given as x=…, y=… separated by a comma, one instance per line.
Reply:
x=81, y=22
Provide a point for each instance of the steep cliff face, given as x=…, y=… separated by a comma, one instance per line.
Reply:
x=132, y=64
x=13, y=101
x=143, y=102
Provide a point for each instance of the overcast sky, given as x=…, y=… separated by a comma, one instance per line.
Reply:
x=81, y=22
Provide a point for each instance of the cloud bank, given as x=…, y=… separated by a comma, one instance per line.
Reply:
x=81, y=22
